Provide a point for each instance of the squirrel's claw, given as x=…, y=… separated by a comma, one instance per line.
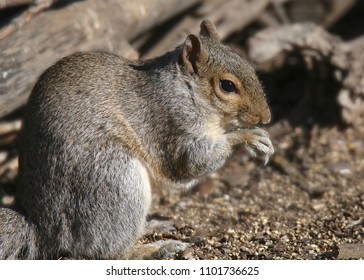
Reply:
x=260, y=146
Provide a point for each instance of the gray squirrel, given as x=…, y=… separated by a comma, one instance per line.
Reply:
x=99, y=128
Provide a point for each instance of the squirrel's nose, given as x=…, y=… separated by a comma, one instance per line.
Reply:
x=265, y=116
x=264, y=113
x=262, y=117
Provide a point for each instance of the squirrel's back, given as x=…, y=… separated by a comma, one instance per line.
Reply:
x=88, y=141
x=77, y=160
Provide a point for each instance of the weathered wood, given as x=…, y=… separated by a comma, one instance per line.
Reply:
x=267, y=46
x=14, y=3
x=241, y=13
x=37, y=7
x=79, y=26
x=10, y=126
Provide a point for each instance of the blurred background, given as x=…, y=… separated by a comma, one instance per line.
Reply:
x=308, y=202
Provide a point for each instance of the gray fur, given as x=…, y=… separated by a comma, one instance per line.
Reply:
x=98, y=127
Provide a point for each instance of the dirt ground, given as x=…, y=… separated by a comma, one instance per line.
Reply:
x=249, y=211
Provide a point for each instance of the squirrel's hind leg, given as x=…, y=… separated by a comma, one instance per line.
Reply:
x=162, y=249
x=158, y=250
x=132, y=201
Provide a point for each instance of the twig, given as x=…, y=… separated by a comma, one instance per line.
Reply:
x=9, y=165
x=3, y=156
x=240, y=14
x=8, y=127
x=37, y=7
x=281, y=13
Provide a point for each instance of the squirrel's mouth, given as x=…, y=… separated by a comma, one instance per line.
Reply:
x=235, y=124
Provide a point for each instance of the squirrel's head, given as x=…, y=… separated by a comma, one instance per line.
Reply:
x=226, y=79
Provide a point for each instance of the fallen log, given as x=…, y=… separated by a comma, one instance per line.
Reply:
x=316, y=44
x=77, y=26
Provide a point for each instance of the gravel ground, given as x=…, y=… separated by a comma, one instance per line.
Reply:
x=307, y=203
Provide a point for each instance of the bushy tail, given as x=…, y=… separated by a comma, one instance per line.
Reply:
x=18, y=238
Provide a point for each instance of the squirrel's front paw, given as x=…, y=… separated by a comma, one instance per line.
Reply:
x=258, y=144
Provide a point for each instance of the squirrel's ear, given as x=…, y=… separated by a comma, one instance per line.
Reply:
x=209, y=30
x=192, y=53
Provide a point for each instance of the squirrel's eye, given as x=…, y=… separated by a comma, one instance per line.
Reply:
x=227, y=86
